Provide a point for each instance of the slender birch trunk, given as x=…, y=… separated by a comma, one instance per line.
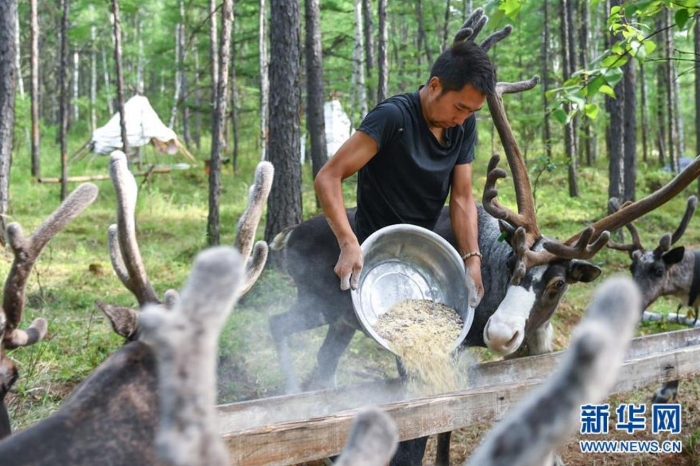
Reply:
x=34, y=90
x=64, y=101
x=382, y=55
x=18, y=61
x=8, y=79
x=264, y=81
x=120, y=76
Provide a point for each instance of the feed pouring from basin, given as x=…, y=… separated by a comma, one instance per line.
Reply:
x=409, y=262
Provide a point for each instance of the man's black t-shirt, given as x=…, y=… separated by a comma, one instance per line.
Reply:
x=409, y=178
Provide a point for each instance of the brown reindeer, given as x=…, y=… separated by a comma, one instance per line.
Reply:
x=112, y=417
x=26, y=252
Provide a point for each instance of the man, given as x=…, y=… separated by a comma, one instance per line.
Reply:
x=411, y=151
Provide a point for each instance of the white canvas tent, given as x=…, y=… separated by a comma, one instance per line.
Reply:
x=142, y=126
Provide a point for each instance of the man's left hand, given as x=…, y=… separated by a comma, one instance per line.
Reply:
x=473, y=280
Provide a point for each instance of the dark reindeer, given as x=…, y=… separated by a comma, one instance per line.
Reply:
x=26, y=252
x=111, y=418
x=665, y=271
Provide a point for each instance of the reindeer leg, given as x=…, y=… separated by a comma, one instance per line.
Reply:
x=442, y=457
x=334, y=345
x=666, y=393
x=282, y=326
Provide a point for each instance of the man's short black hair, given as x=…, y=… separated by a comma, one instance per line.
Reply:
x=465, y=63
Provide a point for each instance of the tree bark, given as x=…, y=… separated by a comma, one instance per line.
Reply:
x=368, y=30
x=615, y=135
x=93, y=75
x=234, y=104
x=359, y=63
x=382, y=53
x=569, y=130
x=76, y=85
x=315, y=121
x=264, y=81
x=547, y=136
x=34, y=90
x=64, y=101
x=630, y=131
x=696, y=41
x=218, y=127
x=284, y=204
x=213, y=51
x=446, y=27
x=120, y=76
x=660, y=103
x=197, y=98
x=644, y=113
x=583, y=59
x=18, y=62
x=183, y=78
x=671, y=114
x=8, y=76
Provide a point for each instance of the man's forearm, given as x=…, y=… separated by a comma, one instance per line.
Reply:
x=330, y=195
x=465, y=225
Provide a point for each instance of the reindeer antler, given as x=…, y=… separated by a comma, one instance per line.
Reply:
x=126, y=257
x=26, y=252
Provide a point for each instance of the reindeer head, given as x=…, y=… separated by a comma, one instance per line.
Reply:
x=126, y=256
x=542, y=268
x=652, y=269
x=26, y=252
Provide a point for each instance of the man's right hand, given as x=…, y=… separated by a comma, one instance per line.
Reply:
x=349, y=265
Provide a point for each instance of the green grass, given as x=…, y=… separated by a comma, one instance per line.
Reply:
x=75, y=270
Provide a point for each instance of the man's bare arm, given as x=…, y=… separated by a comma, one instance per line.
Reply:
x=465, y=225
x=351, y=157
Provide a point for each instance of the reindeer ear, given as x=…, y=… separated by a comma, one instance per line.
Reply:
x=581, y=271
x=673, y=256
x=123, y=319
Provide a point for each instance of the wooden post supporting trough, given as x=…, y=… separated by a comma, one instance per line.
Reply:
x=314, y=425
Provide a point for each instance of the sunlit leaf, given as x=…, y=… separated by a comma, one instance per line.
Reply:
x=607, y=90
x=591, y=111
x=560, y=116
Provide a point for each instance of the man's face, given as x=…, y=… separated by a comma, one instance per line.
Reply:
x=451, y=108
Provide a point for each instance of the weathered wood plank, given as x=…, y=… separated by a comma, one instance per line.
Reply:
x=309, y=439
x=273, y=410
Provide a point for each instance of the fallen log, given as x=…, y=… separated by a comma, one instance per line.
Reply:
x=82, y=179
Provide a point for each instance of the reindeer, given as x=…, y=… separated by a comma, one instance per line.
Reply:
x=529, y=434
x=665, y=272
x=26, y=252
x=112, y=416
x=524, y=276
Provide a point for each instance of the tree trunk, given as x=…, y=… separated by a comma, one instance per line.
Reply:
x=197, y=98
x=8, y=71
x=93, y=75
x=18, y=62
x=644, y=113
x=382, y=55
x=76, y=85
x=671, y=114
x=34, y=60
x=315, y=122
x=120, y=76
x=696, y=40
x=218, y=126
x=178, y=81
x=284, y=206
x=264, y=81
x=583, y=59
x=183, y=78
x=140, y=60
x=661, y=135
x=422, y=38
x=369, y=40
x=630, y=130
x=105, y=69
x=547, y=136
x=569, y=130
x=213, y=51
x=359, y=64
x=615, y=135
x=446, y=27
x=64, y=101
x=234, y=104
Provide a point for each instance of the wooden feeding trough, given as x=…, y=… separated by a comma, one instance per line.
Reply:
x=314, y=425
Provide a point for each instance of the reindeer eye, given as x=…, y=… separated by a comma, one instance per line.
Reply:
x=659, y=270
x=557, y=285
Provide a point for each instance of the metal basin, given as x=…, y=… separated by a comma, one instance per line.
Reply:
x=409, y=262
